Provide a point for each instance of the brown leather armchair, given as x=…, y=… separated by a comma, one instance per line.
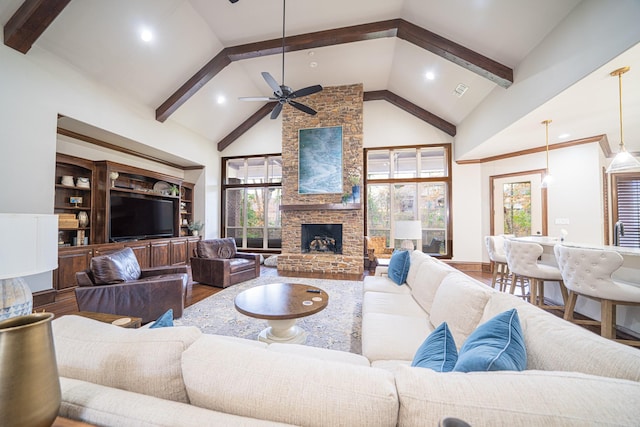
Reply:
x=216, y=262
x=115, y=284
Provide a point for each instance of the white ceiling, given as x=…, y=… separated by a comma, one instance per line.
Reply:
x=101, y=38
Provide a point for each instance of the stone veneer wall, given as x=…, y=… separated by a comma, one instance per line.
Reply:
x=336, y=106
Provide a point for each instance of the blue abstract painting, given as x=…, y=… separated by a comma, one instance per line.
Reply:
x=320, y=160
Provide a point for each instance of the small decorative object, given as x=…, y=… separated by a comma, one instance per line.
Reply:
x=195, y=228
x=345, y=197
x=185, y=222
x=67, y=180
x=61, y=238
x=82, y=182
x=29, y=382
x=174, y=190
x=354, y=180
x=83, y=219
x=74, y=200
x=355, y=193
x=162, y=187
x=113, y=176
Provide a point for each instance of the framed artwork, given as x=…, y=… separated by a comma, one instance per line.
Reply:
x=320, y=160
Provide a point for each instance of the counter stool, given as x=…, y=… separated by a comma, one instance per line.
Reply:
x=522, y=258
x=587, y=272
x=497, y=255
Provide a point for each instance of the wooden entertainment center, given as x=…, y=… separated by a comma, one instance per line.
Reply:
x=79, y=241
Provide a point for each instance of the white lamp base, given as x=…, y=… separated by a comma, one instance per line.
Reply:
x=407, y=244
x=15, y=298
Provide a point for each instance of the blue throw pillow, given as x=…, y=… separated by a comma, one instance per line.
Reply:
x=438, y=351
x=496, y=345
x=163, y=321
x=399, y=266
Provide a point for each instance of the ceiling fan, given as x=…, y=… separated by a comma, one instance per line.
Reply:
x=282, y=93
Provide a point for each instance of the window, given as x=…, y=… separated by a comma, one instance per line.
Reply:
x=626, y=208
x=409, y=184
x=517, y=208
x=251, y=196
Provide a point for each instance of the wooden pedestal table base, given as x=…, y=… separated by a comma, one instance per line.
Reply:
x=281, y=304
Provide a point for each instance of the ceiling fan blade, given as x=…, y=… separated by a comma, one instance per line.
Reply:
x=276, y=111
x=257, y=98
x=273, y=84
x=303, y=107
x=306, y=91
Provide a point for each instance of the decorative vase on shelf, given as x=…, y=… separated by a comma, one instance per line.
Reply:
x=355, y=192
x=83, y=219
x=194, y=232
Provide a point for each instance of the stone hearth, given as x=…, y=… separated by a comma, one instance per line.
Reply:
x=336, y=106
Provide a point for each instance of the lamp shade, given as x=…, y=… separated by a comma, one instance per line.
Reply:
x=30, y=244
x=29, y=247
x=411, y=230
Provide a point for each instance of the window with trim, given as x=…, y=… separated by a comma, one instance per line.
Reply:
x=626, y=208
x=410, y=184
x=251, y=196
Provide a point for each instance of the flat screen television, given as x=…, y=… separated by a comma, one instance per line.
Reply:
x=135, y=218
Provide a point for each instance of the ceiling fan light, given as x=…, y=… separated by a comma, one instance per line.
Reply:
x=623, y=161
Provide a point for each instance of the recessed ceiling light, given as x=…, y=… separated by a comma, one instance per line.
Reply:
x=146, y=35
x=430, y=75
x=221, y=99
x=564, y=136
x=313, y=64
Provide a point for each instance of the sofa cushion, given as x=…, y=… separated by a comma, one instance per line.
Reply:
x=460, y=302
x=429, y=277
x=399, y=266
x=140, y=360
x=510, y=398
x=496, y=345
x=288, y=388
x=438, y=352
x=116, y=267
x=393, y=336
x=241, y=264
x=216, y=248
x=389, y=303
x=108, y=406
x=383, y=284
x=415, y=261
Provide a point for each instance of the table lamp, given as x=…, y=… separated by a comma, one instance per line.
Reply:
x=407, y=231
x=29, y=382
x=30, y=246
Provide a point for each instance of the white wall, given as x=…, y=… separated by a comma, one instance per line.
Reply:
x=36, y=88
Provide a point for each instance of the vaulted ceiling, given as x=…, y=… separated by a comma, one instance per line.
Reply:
x=202, y=51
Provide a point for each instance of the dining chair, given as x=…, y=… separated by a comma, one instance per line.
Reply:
x=588, y=272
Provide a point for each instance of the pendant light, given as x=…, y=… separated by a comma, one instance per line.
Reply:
x=548, y=179
x=623, y=161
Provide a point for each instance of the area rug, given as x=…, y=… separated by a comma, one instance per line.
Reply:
x=336, y=327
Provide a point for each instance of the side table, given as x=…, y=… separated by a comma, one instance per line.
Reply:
x=132, y=322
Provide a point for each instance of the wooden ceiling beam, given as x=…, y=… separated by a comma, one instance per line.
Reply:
x=246, y=125
x=31, y=19
x=466, y=58
x=383, y=95
x=411, y=108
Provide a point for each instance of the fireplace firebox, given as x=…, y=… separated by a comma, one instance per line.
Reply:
x=321, y=238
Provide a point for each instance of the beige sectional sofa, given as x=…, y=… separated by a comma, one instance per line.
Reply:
x=180, y=377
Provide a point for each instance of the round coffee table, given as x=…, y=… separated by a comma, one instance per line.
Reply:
x=281, y=304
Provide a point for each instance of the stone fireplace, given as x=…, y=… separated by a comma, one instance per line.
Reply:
x=321, y=238
x=336, y=106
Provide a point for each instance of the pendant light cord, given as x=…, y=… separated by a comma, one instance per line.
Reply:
x=620, y=98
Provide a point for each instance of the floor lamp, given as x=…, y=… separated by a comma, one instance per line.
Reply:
x=29, y=382
x=407, y=231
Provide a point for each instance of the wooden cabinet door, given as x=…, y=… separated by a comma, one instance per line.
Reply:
x=191, y=245
x=142, y=251
x=178, y=252
x=70, y=262
x=160, y=253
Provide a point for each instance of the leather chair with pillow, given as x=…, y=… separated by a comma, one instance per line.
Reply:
x=216, y=262
x=115, y=284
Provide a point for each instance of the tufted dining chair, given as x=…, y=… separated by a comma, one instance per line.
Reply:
x=587, y=272
x=522, y=259
x=497, y=255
